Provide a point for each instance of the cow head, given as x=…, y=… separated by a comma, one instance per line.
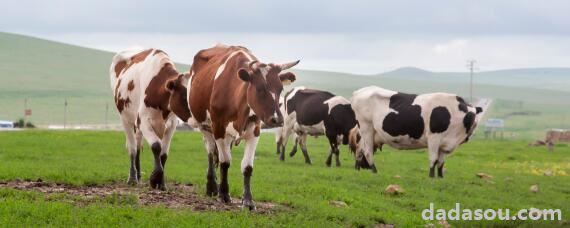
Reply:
x=472, y=117
x=178, y=102
x=354, y=141
x=265, y=84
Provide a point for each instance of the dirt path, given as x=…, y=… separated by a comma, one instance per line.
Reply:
x=177, y=196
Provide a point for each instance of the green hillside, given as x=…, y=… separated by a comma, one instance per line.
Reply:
x=48, y=72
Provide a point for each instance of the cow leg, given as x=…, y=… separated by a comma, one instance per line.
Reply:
x=247, y=166
x=337, y=153
x=294, y=149
x=132, y=148
x=166, y=139
x=139, y=150
x=210, y=144
x=329, y=158
x=433, y=150
x=279, y=139
x=303, y=141
x=148, y=132
x=440, y=163
x=225, y=157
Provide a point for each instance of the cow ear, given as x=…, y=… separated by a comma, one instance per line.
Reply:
x=244, y=74
x=287, y=78
x=171, y=84
x=479, y=110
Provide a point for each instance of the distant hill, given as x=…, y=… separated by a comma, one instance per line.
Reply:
x=48, y=73
x=536, y=78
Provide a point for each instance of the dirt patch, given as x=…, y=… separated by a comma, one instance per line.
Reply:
x=178, y=195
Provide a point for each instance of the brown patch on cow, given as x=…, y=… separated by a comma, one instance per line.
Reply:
x=139, y=57
x=257, y=131
x=131, y=85
x=120, y=102
x=119, y=66
x=178, y=196
x=157, y=96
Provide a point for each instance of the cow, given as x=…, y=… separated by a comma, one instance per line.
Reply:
x=149, y=95
x=230, y=93
x=315, y=112
x=279, y=130
x=438, y=121
x=556, y=136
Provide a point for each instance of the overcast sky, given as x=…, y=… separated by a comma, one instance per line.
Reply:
x=349, y=36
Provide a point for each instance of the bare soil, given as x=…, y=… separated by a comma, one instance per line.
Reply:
x=178, y=195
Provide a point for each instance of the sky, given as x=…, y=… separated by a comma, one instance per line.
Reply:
x=364, y=37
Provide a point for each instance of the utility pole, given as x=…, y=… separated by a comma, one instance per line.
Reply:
x=471, y=66
x=65, y=114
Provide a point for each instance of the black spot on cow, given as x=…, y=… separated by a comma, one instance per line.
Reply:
x=468, y=121
x=462, y=104
x=340, y=121
x=479, y=110
x=309, y=106
x=439, y=119
x=407, y=120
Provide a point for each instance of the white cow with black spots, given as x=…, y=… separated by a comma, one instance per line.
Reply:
x=438, y=121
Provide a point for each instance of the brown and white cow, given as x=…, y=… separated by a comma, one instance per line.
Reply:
x=230, y=93
x=149, y=95
x=438, y=121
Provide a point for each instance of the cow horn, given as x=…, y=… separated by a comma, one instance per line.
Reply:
x=286, y=66
x=252, y=63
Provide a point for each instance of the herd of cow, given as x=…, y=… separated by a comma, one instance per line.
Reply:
x=228, y=94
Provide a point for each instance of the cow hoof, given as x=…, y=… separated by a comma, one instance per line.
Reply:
x=338, y=164
x=308, y=162
x=248, y=203
x=132, y=181
x=161, y=187
x=211, y=189
x=328, y=164
x=373, y=168
x=156, y=179
x=225, y=198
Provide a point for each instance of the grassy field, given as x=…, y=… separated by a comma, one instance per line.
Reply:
x=98, y=157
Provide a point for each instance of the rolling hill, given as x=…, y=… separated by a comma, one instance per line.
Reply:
x=47, y=73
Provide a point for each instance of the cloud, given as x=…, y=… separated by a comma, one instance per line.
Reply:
x=482, y=17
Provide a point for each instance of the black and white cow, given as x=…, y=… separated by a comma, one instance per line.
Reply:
x=314, y=112
x=438, y=121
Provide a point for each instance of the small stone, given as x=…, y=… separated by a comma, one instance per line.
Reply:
x=338, y=204
x=484, y=176
x=394, y=189
x=444, y=223
x=397, y=177
x=534, y=188
x=548, y=173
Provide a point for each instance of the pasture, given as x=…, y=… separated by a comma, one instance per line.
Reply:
x=302, y=194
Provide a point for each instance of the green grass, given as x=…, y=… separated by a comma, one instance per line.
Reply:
x=87, y=157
